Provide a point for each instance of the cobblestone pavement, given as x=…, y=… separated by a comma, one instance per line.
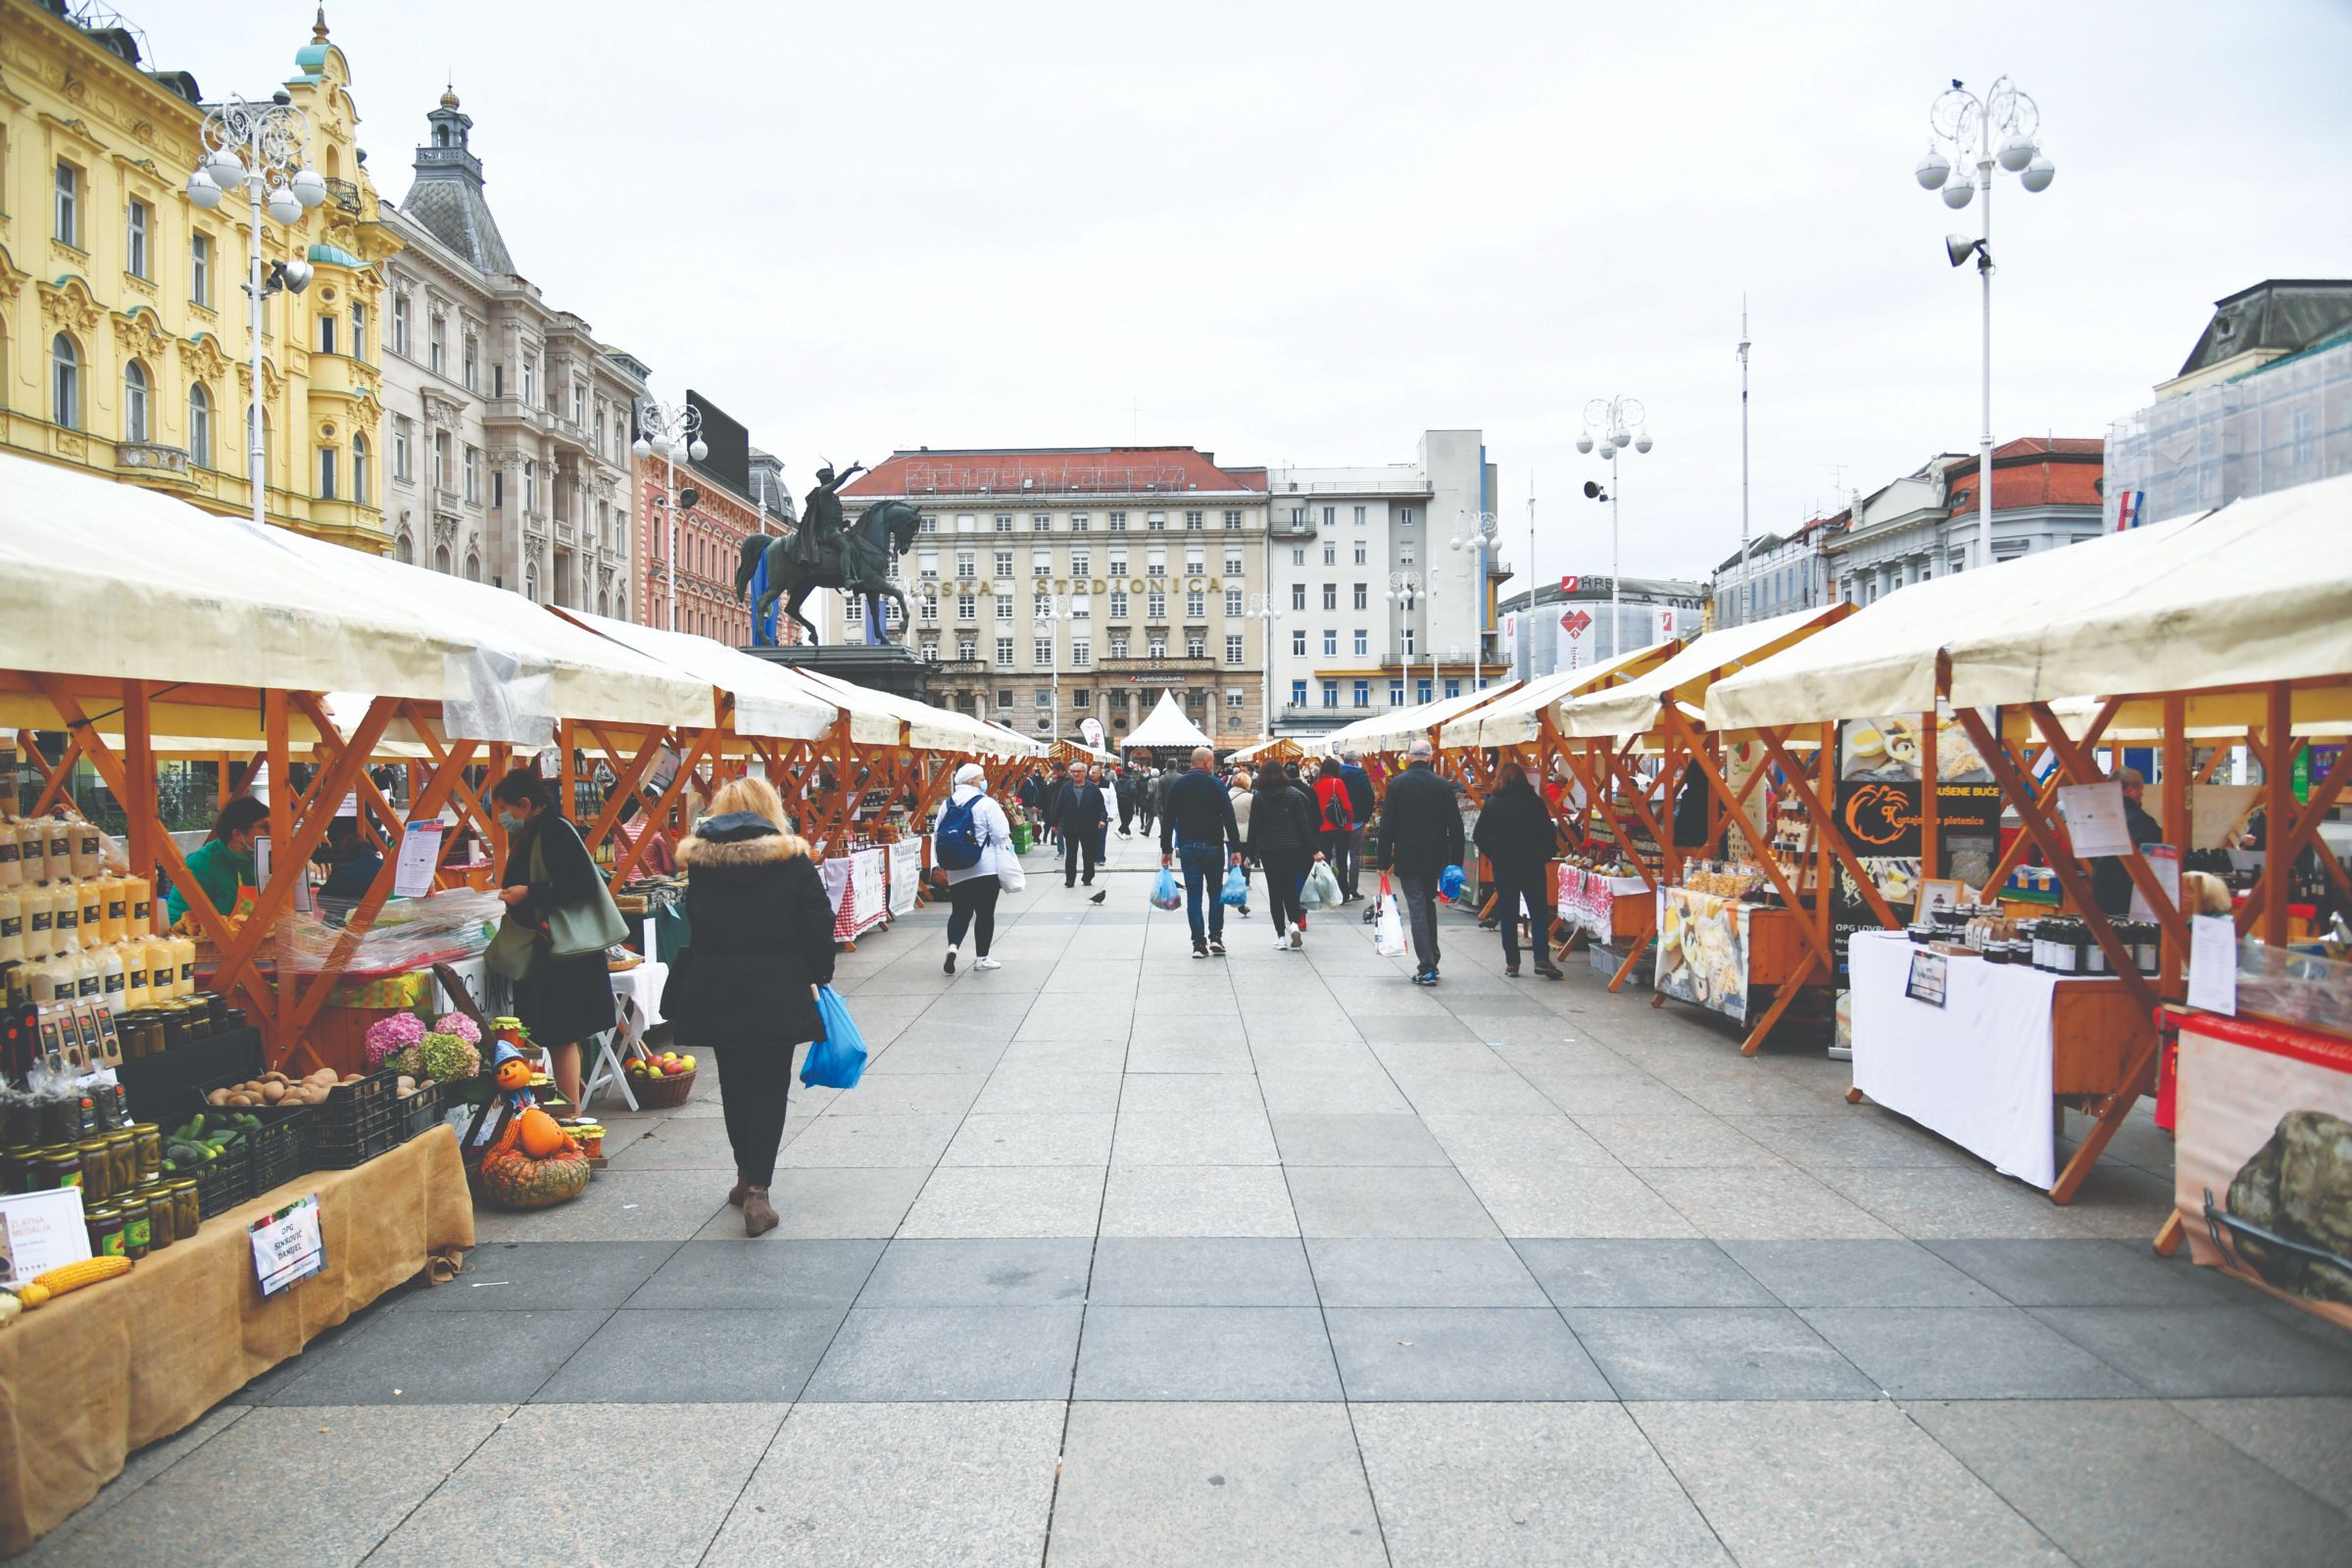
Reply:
x=1117, y=1257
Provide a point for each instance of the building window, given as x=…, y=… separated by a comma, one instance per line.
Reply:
x=400, y=325
x=1157, y=646
x=1298, y=643
x=531, y=488
x=1040, y=523
x=1082, y=607
x=134, y=402
x=1155, y=522
x=359, y=471
x=1233, y=601
x=1193, y=522
x=359, y=332
x=1118, y=650
x=1404, y=557
x=1453, y=687
x=1331, y=514
x=1331, y=694
x=1233, y=649
x=1004, y=694
x=1233, y=519
x=1363, y=642
x=927, y=565
x=1080, y=561
x=400, y=428
x=1404, y=516
x=1195, y=563
x=326, y=333
x=1331, y=596
x=67, y=228
x=966, y=523
x=134, y=251
x=1041, y=562
x=437, y=348
x=1359, y=517
x=1004, y=562
x=1331, y=643
x=1299, y=557
x=929, y=524
x=1331, y=554
x=967, y=569
x=1082, y=652
x=473, y=360
x=326, y=473
x=579, y=404
x=1363, y=694
x=1298, y=596
x=1406, y=646
x=65, y=376
x=1045, y=697
x=1362, y=595
x=1396, y=694
x=1359, y=552
x=1003, y=606
x=967, y=608
x=1155, y=563
x=1298, y=694
x=1041, y=652
x=967, y=649
x=1155, y=606
x=1118, y=604
x=1078, y=523
x=199, y=425
x=929, y=614
x=1421, y=695
x=1233, y=562
x=1118, y=522
x=200, y=270
x=1196, y=647
x=474, y=476
x=530, y=380
x=1119, y=562
x=1196, y=603
x=1003, y=523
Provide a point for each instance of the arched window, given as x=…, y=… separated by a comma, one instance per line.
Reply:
x=530, y=583
x=404, y=550
x=473, y=567
x=65, y=383
x=360, y=490
x=134, y=402
x=441, y=559
x=199, y=425
x=604, y=601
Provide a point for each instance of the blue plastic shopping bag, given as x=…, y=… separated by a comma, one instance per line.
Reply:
x=1165, y=894
x=838, y=1060
x=1236, y=891
x=1450, y=883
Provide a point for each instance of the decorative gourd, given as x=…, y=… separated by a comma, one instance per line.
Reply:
x=539, y=1133
x=512, y=1179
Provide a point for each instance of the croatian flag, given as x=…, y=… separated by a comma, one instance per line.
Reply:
x=2129, y=507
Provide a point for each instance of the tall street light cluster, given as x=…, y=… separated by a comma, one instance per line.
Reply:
x=263, y=150
x=1622, y=422
x=1999, y=130
x=665, y=432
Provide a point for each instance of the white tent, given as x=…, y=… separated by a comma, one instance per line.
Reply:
x=768, y=702
x=1168, y=727
x=1514, y=719
x=1635, y=707
x=1399, y=727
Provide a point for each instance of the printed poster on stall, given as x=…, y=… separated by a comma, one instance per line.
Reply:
x=1702, y=950
x=1879, y=794
x=2262, y=1158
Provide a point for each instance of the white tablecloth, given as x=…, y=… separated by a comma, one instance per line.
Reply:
x=1978, y=1070
x=639, y=991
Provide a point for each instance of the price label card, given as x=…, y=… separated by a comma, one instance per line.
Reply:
x=287, y=1247
x=2213, y=963
x=1931, y=975
x=419, y=859
x=2094, y=819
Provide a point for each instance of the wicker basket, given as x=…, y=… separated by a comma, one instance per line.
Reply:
x=665, y=1093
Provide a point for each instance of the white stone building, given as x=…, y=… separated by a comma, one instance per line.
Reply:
x=507, y=425
x=1377, y=608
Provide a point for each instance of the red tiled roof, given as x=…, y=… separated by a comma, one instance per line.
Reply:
x=2027, y=483
x=1053, y=471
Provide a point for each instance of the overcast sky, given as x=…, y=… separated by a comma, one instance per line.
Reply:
x=1305, y=233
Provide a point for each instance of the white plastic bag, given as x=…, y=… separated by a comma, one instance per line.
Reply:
x=1387, y=926
x=1324, y=888
x=1010, y=875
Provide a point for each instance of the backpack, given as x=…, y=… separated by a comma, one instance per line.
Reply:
x=1337, y=818
x=958, y=845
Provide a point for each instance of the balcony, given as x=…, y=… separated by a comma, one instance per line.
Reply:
x=155, y=465
x=346, y=194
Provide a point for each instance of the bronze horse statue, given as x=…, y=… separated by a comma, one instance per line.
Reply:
x=858, y=562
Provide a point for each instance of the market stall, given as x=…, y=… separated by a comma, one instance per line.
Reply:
x=1740, y=894
x=2233, y=620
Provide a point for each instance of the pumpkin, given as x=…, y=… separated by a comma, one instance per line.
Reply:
x=540, y=1134
x=514, y=1180
x=513, y=1073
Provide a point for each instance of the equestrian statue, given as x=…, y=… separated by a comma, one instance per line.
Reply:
x=827, y=552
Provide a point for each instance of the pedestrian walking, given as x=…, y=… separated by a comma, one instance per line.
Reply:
x=1420, y=835
x=1126, y=785
x=562, y=1002
x=1146, y=795
x=1335, y=814
x=1281, y=839
x=1238, y=794
x=1515, y=832
x=746, y=988
x=970, y=847
x=1080, y=813
x=1200, y=827
x=1362, y=800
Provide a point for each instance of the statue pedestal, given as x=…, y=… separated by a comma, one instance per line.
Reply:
x=883, y=666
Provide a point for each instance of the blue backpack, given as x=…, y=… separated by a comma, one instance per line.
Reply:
x=958, y=845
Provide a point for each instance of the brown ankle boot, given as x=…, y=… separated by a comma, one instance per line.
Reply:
x=760, y=1216
x=737, y=1193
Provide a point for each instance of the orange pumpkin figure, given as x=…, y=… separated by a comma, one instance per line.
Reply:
x=540, y=1134
x=513, y=1073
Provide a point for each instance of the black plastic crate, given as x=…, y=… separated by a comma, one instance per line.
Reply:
x=339, y=1142
x=345, y=1099
x=223, y=1183
x=282, y=1139
x=416, y=1113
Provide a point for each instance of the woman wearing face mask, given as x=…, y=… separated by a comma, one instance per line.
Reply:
x=224, y=862
x=561, y=1000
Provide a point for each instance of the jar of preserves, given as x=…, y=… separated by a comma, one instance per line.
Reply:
x=20, y=1121
x=104, y=1226
x=97, y=1170
x=148, y=1139
x=162, y=1216
x=122, y=1147
x=187, y=1213
x=15, y=1161
x=138, y=1230
x=58, y=1165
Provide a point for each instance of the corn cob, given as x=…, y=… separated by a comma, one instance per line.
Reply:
x=73, y=1276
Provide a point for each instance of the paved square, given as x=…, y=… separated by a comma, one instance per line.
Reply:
x=1120, y=1258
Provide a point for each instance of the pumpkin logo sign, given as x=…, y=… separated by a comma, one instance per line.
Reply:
x=1882, y=815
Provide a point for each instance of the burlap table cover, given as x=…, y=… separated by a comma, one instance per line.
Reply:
x=102, y=1372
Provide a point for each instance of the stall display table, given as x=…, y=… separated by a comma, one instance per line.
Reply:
x=102, y=1372
x=1607, y=908
x=856, y=883
x=1985, y=1068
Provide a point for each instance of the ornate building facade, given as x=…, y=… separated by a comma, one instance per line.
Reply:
x=508, y=424
x=125, y=346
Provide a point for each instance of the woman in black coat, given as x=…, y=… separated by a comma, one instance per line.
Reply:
x=562, y=1002
x=1281, y=841
x=746, y=988
x=1515, y=832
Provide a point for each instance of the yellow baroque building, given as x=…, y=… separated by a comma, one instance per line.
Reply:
x=124, y=340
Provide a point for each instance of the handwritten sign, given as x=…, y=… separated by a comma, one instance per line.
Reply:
x=2213, y=963
x=1930, y=976
x=2094, y=819
x=420, y=858
x=287, y=1248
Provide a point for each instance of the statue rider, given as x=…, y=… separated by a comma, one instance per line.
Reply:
x=817, y=543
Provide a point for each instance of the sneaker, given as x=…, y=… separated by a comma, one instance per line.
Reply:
x=1281, y=943
x=1216, y=946
x=949, y=966
x=1510, y=971
x=1200, y=949
x=1299, y=935
x=1549, y=972
x=986, y=963
x=1425, y=978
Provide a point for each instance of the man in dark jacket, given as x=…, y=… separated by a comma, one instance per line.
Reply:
x=1361, y=801
x=1200, y=825
x=1080, y=814
x=1420, y=835
x=1516, y=834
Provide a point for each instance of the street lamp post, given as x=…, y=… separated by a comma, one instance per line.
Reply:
x=263, y=149
x=1262, y=609
x=1998, y=128
x=1474, y=532
x=1050, y=610
x=1622, y=422
x=1405, y=590
x=664, y=432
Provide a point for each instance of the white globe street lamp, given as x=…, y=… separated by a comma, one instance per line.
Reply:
x=667, y=433
x=1617, y=415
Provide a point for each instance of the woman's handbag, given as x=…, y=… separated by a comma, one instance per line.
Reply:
x=838, y=1060
x=512, y=948
x=576, y=930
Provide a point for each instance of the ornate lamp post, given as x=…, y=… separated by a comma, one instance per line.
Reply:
x=1262, y=609
x=1405, y=589
x=263, y=150
x=1997, y=129
x=1049, y=610
x=1476, y=532
x=1622, y=422
x=664, y=432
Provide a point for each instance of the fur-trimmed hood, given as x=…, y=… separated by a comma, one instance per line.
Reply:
x=739, y=840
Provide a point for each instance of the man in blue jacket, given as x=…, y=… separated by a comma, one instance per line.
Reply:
x=1199, y=824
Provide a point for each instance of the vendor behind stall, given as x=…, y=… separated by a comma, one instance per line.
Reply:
x=2110, y=879
x=561, y=1000
x=224, y=862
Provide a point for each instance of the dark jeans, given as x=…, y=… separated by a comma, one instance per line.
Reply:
x=1339, y=848
x=1203, y=876
x=1421, y=914
x=754, y=1083
x=972, y=906
x=1515, y=886
x=1285, y=870
x=1074, y=843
